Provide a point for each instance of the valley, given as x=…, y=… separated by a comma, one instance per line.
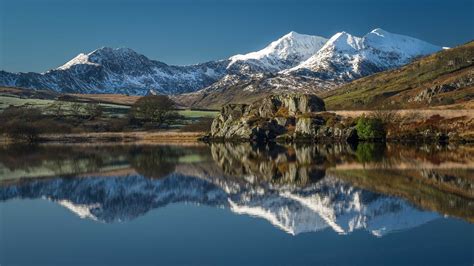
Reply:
x=428, y=85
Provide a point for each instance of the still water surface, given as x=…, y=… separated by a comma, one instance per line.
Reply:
x=228, y=204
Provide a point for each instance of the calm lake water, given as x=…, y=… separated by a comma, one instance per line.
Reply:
x=226, y=204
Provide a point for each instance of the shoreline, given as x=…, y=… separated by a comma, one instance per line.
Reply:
x=113, y=138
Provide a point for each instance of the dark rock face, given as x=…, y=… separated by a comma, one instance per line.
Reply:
x=283, y=117
x=429, y=94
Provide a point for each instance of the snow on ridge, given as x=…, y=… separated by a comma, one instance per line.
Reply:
x=80, y=59
x=292, y=46
x=378, y=47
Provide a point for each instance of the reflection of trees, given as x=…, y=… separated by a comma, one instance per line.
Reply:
x=160, y=161
x=154, y=162
x=370, y=152
x=44, y=161
x=150, y=161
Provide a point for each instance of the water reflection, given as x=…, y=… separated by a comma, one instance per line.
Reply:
x=297, y=188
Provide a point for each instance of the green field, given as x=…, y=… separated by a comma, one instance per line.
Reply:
x=111, y=110
x=192, y=114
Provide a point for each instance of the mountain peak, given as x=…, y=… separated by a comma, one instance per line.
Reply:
x=355, y=57
x=294, y=34
x=344, y=41
x=100, y=55
x=80, y=59
x=291, y=48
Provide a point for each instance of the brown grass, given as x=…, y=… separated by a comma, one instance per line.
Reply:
x=135, y=137
x=120, y=99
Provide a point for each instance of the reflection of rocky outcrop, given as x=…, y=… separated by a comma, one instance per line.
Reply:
x=328, y=203
x=298, y=188
x=277, y=164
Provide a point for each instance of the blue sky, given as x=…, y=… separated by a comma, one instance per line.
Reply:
x=37, y=35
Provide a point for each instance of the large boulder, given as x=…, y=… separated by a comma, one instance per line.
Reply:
x=287, y=104
x=264, y=119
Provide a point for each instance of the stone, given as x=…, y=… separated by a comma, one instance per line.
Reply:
x=268, y=118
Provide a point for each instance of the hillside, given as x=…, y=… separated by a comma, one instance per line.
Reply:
x=443, y=78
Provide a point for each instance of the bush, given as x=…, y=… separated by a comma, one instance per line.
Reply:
x=25, y=124
x=370, y=128
x=17, y=130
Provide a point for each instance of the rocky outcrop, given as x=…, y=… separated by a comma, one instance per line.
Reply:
x=288, y=117
x=430, y=94
x=264, y=119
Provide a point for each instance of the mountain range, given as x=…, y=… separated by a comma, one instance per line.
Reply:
x=293, y=62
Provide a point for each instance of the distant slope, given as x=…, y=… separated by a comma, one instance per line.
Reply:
x=443, y=78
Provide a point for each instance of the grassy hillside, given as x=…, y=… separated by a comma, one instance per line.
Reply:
x=444, y=78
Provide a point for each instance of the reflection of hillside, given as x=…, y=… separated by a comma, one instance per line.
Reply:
x=287, y=185
x=38, y=161
x=450, y=192
x=50, y=161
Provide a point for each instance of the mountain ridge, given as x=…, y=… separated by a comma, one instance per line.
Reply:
x=124, y=71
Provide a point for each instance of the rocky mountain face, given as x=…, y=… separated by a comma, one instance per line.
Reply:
x=121, y=70
x=294, y=62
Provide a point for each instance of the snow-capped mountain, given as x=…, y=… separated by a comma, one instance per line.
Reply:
x=327, y=204
x=121, y=70
x=342, y=58
x=345, y=57
x=294, y=62
x=286, y=52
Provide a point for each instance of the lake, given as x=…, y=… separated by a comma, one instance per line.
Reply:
x=237, y=204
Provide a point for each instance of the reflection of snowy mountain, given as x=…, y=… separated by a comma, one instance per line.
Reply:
x=327, y=203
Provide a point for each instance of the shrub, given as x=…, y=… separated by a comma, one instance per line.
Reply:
x=18, y=130
x=25, y=124
x=370, y=128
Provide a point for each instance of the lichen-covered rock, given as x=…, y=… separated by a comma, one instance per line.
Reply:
x=307, y=126
x=264, y=119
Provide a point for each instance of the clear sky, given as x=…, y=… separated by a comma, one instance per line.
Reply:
x=37, y=35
